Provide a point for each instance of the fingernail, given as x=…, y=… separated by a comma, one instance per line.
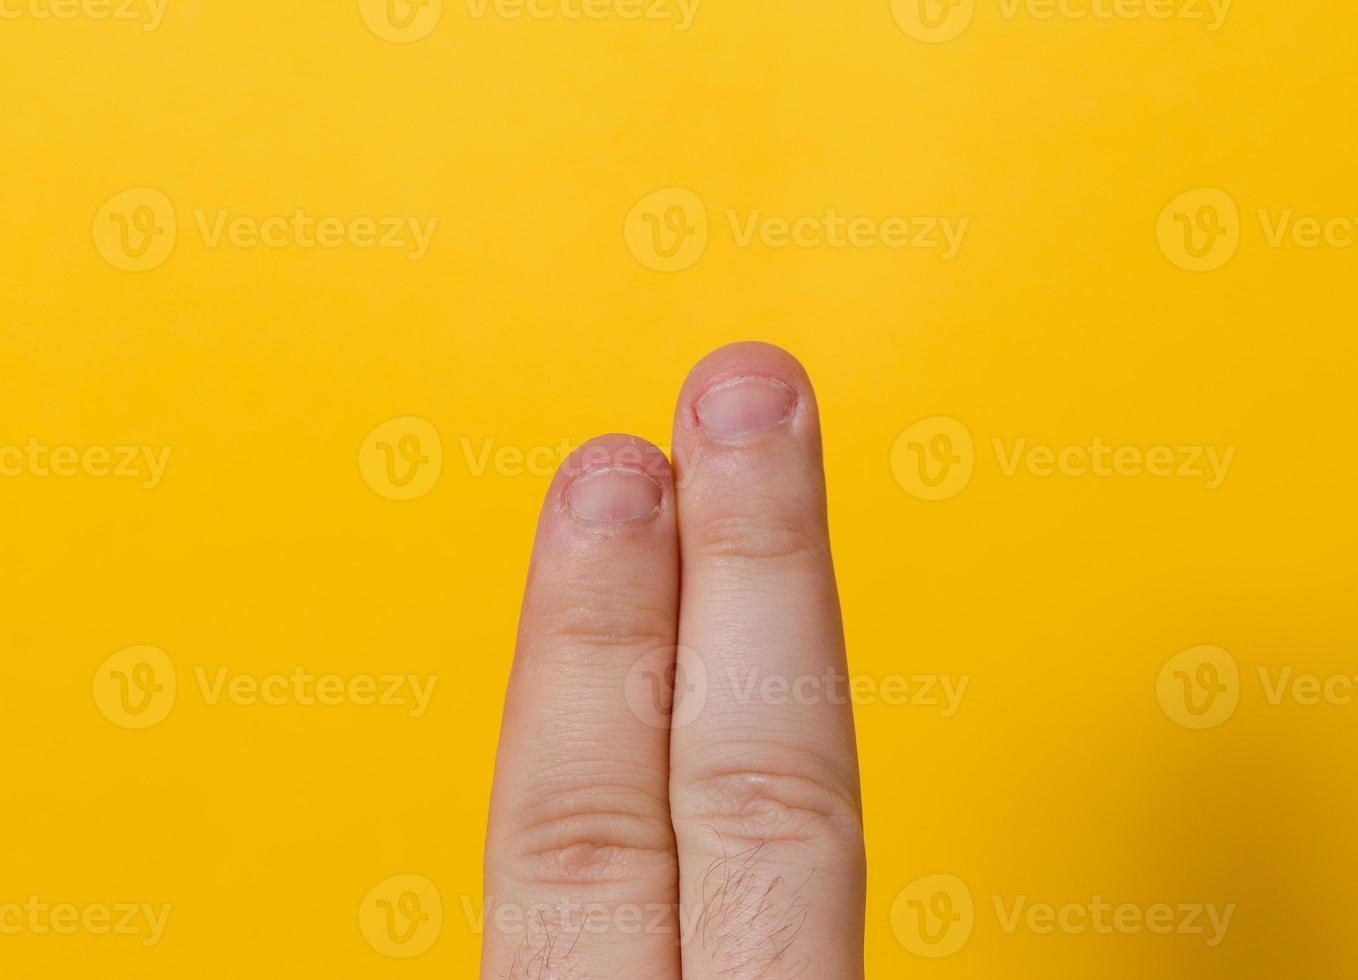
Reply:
x=743, y=406
x=614, y=496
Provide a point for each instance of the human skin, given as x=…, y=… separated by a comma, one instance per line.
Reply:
x=712, y=832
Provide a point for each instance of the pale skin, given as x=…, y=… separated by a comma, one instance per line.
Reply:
x=676, y=792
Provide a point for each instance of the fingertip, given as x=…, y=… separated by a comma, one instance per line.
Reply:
x=745, y=388
x=614, y=479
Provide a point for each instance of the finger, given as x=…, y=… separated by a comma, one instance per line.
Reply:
x=764, y=773
x=581, y=877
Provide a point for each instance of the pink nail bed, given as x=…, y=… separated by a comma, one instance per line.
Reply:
x=743, y=406
x=614, y=496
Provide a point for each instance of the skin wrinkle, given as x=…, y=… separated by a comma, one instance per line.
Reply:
x=618, y=844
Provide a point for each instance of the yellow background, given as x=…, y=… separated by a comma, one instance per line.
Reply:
x=529, y=322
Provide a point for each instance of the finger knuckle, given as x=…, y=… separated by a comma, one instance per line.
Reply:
x=769, y=537
x=772, y=804
x=590, y=837
x=610, y=621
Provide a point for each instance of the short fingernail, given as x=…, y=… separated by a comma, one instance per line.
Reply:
x=743, y=406
x=614, y=496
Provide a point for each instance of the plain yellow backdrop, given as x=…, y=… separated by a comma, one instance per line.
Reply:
x=1073, y=143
